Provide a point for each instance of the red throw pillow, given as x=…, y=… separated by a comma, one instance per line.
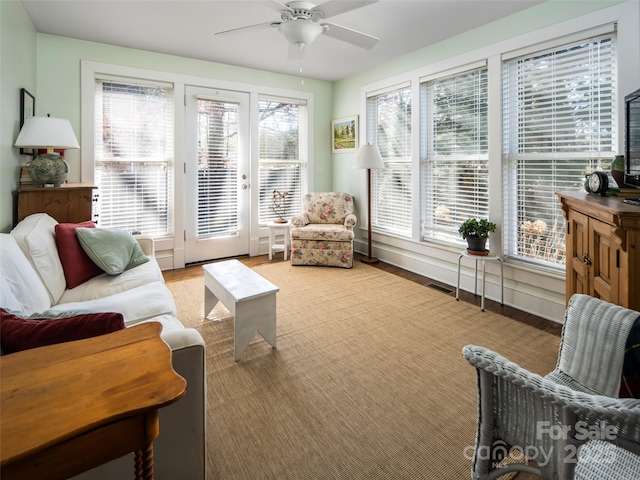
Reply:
x=76, y=264
x=18, y=333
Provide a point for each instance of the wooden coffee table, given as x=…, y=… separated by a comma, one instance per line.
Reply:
x=69, y=407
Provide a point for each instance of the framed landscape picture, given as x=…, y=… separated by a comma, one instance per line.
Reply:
x=344, y=135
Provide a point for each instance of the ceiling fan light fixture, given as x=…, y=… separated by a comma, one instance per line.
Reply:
x=300, y=31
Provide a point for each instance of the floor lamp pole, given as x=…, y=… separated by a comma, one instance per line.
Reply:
x=369, y=259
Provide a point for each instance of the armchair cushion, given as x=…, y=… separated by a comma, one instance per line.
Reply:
x=327, y=207
x=326, y=232
x=594, y=331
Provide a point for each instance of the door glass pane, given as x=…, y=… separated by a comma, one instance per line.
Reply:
x=217, y=168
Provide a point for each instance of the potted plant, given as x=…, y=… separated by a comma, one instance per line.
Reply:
x=476, y=232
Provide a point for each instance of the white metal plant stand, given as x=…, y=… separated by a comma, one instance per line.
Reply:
x=483, y=259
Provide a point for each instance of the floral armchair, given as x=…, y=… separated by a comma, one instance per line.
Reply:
x=323, y=233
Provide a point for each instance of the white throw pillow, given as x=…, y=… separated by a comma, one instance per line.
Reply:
x=35, y=236
x=20, y=288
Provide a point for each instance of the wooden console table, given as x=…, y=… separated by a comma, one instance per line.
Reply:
x=69, y=407
x=70, y=203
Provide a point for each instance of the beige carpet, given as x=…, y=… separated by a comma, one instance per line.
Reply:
x=367, y=382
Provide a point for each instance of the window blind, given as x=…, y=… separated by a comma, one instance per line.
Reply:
x=559, y=124
x=389, y=126
x=217, y=169
x=134, y=156
x=283, y=140
x=454, y=153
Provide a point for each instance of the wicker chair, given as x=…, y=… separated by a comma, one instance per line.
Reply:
x=600, y=460
x=323, y=233
x=549, y=418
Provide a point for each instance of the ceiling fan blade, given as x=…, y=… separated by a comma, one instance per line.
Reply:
x=258, y=26
x=276, y=5
x=332, y=7
x=353, y=37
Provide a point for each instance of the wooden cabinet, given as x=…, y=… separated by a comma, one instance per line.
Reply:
x=70, y=203
x=603, y=248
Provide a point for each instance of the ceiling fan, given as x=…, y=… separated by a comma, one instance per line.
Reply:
x=302, y=22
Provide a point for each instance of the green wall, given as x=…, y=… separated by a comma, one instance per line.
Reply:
x=17, y=70
x=60, y=92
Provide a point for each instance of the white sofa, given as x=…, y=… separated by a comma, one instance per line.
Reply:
x=32, y=281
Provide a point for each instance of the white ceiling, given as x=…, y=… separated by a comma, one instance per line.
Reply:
x=187, y=27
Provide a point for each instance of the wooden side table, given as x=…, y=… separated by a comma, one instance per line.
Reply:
x=70, y=203
x=483, y=259
x=70, y=407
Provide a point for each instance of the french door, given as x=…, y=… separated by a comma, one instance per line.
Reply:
x=217, y=174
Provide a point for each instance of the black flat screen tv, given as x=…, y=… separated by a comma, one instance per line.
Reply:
x=632, y=139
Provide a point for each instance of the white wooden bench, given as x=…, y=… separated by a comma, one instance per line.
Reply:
x=250, y=298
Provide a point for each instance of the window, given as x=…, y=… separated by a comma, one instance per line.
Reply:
x=134, y=156
x=389, y=126
x=283, y=154
x=454, y=153
x=559, y=124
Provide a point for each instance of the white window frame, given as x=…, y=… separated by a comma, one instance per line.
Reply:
x=433, y=230
x=121, y=201
x=292, y=203
x=403, y=165
x=540, y=241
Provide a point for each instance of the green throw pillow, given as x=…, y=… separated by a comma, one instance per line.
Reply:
x=113, y=250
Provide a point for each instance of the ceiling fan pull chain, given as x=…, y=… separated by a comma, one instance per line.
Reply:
x=300, y=47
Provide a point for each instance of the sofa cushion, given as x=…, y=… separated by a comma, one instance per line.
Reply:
x=35, y=236
x=20, y=287
x=113, y=250
x=18, y=333
x=106, y=285
x=76, y=264
x=136, y=304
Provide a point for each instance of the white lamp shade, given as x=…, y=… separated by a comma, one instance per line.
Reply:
x=46, y=132
x=369, y=157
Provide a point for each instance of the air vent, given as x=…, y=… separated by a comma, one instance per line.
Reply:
x=440, y=288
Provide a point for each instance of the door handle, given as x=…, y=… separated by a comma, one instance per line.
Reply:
x=586, y=260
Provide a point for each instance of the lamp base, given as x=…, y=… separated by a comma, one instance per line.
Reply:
x=369, y=260
x=48, y=169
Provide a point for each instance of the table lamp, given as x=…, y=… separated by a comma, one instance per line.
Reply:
x=50, y=133
x=368, y=158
